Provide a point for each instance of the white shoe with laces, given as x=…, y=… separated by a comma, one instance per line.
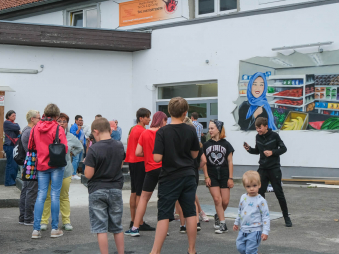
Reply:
x=56, y=233
x=75, y=177
x=203, y=216
x=36, y=234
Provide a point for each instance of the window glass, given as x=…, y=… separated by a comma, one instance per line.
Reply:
x=188, y=91
x=92, y=18
x=78, y=19
x=205, y=6
x=226, y=5
x=204, y=124
x=164, y=108
x=214, y=109
x=201, y=109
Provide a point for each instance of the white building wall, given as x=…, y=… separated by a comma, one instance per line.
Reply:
x=247, y=5
x=81, y=82
x=53, y=18
x=178, y=54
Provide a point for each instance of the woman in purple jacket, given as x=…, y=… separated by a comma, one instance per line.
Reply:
x=12, y=131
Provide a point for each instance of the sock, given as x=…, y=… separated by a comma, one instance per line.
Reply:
x=134, y=228
x=182, y=225
x=222, y=221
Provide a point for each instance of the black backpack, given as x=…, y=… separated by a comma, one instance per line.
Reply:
x=57, y=152
x=19, y=153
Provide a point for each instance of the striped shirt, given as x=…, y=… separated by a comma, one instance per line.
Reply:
x=198, y=127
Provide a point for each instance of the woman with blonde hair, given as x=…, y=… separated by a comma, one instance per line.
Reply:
x=219, y=171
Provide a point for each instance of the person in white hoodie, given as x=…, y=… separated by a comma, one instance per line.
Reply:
x=75, y=147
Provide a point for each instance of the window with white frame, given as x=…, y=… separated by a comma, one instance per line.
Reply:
x=87, y=17
x=212, y=7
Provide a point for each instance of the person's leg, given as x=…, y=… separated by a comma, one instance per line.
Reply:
x=65, y=207
x=181, y=215
x=47, y=207
x=225, y=196
x=31, y=194
x=241, y=243
x=141, y=208
x=197, y=203
x=191, y=228
x=253, y=241
x=139, y=183
x=56, y=183
x=11, y=170
x=275, y=178
x=44, y=179
x=119, y=242
x=264, y=181
x=197, y=209
x=103, y=243
x=75, y=163
x=216, y=195
x=160, y=236
x=22, y=205
x=133, y=197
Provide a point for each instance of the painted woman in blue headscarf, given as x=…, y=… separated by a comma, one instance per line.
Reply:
x=257, y=104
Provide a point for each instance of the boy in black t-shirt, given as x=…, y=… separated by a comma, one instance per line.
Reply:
x=176, y=145
x=103, y=162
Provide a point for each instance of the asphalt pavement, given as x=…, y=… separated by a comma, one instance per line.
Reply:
x=313, y=213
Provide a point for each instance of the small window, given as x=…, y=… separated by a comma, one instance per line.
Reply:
x=213, y=7
x=84, y=18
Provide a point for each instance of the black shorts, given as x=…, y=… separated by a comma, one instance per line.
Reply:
x=151, y=180
x=197, y=176
x=182, y=189
x=137, y=173
x=219, y=179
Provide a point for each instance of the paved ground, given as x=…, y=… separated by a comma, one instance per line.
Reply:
x=314, y=229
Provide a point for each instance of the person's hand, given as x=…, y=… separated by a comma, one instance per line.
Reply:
x=79, y=127
x=246, y=146
x=235, y=228
x=268, y=153
x=258, y=112
x=208, y=182
x=264, y=237
x=230, y=183
x=71, y=154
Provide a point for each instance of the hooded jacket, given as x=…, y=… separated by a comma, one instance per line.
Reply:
x=74, y=146
x=270, y=141
x=44, y=135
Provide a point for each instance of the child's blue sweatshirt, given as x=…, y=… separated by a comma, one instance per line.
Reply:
x=253, y=214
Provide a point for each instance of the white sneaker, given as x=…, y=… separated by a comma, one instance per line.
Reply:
x=43, y=227
x=203, y=217
x=75, y=177
x=67, y=227
x=56, y=233
x=36, y=234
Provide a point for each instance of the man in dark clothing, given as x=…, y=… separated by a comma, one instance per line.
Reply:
x=270, y=146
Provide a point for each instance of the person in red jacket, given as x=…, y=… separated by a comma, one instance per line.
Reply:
x=42, y=136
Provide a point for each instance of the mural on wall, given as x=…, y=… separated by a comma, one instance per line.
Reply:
x=295, y=92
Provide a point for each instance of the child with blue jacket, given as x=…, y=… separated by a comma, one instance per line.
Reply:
x=253, y=216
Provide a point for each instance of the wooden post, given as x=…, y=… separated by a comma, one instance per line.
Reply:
x=2, y=117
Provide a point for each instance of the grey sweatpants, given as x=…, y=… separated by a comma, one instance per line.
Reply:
x=28, y=197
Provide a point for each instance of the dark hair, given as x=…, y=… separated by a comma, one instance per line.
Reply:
x=77, y=117
x=52, y=110
x=142, y=112
x=177, y=106
x=195, y=115
x=91, y=137
x=9, y=113
x=101, y=124
x=98, y=115
x=261, y=121
x=63, y=115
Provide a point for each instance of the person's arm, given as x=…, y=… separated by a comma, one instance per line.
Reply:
x=207, y=178
x=62, y=138
x=9, y=126
x=253, y=150
x=194, y=154
x=139, y=151
x=265, y=217
x=89, y=172
x=237, y=220
x=230, y=182
x=203, y=161
x=75, y=146
x=281, y=147
x=74, y=130
x=158, y=146
x=195, y=145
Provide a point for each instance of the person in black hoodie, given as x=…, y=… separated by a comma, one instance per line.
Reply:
x=270, y=146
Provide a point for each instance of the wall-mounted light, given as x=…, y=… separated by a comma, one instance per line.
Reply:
x=21, y=71
x=318, y=44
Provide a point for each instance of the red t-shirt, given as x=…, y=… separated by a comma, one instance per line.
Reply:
x=146, y=140
x=132, y=144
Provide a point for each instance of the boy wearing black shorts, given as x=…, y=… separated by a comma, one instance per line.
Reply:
x=103, y=162
x=137, y=165
x=270, y=146
x=176, y=145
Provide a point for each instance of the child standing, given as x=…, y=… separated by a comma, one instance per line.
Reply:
x=253, y=216
x=176, y=145
x=103, y=169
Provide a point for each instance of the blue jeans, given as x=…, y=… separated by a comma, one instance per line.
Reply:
x=75, y=162
x=248, y=243
x=11, y=167
x=56, y=176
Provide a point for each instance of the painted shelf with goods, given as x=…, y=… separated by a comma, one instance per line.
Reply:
x=296, y=91
x=327, y=93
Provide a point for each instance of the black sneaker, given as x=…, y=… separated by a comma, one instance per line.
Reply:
x=288, y=222
x=131, y=224
x=182, y=229
x=216, y=221
x=222, y=229
x=146, y=227
x=198, y=226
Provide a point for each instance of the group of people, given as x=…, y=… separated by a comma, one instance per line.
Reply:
x=167, y=155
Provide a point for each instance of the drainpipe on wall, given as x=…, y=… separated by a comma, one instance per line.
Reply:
x=191, y=9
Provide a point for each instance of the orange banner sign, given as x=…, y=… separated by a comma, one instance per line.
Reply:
x=144, y=11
